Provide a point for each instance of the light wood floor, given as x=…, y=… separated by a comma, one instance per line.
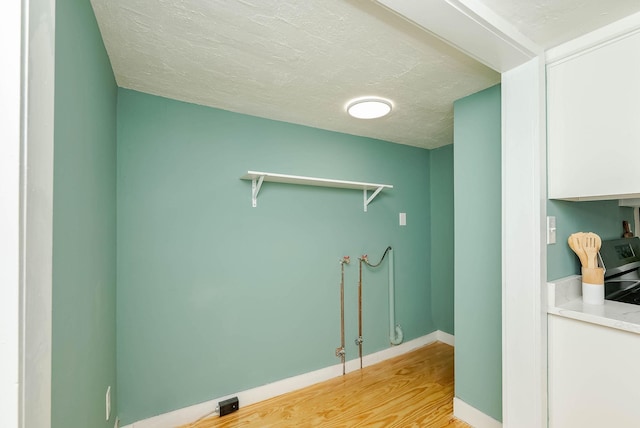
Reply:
x=412, y=390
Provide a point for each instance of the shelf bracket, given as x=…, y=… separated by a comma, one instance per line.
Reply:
x=257, y=178
x=256, y=184
x=370, y=198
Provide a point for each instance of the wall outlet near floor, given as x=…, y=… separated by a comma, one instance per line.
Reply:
x=107, y=404
x=228, y=406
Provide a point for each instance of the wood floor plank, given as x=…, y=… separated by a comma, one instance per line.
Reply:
x=412, y=390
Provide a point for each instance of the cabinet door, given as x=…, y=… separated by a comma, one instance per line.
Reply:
x=593, y=375
x=593, y=119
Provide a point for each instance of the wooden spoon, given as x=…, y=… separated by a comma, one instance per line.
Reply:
x=591, y=245
x=576, y=245
x=598, y=246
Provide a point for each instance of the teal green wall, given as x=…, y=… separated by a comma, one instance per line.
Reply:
x=215, y=296
x=442, y=225
x=601, y=217
x=478, y=238
x=84, y=222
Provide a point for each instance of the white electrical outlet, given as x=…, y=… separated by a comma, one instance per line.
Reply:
x=107, y=405
x=403, y=219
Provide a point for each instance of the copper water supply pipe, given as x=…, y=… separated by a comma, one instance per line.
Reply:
x=359, y=340
x=340, y=352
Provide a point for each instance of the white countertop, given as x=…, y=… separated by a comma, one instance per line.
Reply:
x=565, y=300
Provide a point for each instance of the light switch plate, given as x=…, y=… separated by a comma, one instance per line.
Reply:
x=551, y=230
x=403, y=219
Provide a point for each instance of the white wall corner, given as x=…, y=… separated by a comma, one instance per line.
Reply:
x=37, y=210
x=473, y=416
x=10, y=73
x=524, y=291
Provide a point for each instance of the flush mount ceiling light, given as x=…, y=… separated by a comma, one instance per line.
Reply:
x=369, y=107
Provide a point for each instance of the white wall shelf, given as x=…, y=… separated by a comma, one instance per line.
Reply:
x=257, y=178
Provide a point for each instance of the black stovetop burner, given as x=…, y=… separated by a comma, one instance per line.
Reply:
x=630, y=297
x=623, y=291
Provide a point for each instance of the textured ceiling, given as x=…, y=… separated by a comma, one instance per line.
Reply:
x=302, y=61
x=292, y=61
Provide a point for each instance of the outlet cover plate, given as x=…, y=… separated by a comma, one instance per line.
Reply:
x=551, y=230
x=107, y=405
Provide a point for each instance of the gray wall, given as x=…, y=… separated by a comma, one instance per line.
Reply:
x=478, y=246
x=84, y=223
x=442, y=232
x=215, y=296
x=601, y=217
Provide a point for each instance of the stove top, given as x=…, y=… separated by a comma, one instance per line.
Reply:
x=621, y=260
x=632, y=297
x=623, y=291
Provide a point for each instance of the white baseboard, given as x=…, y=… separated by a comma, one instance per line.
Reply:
x=261, y=393
x=473, y=416
x=447, y=338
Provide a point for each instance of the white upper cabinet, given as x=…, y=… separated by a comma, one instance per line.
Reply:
x=593, y=119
